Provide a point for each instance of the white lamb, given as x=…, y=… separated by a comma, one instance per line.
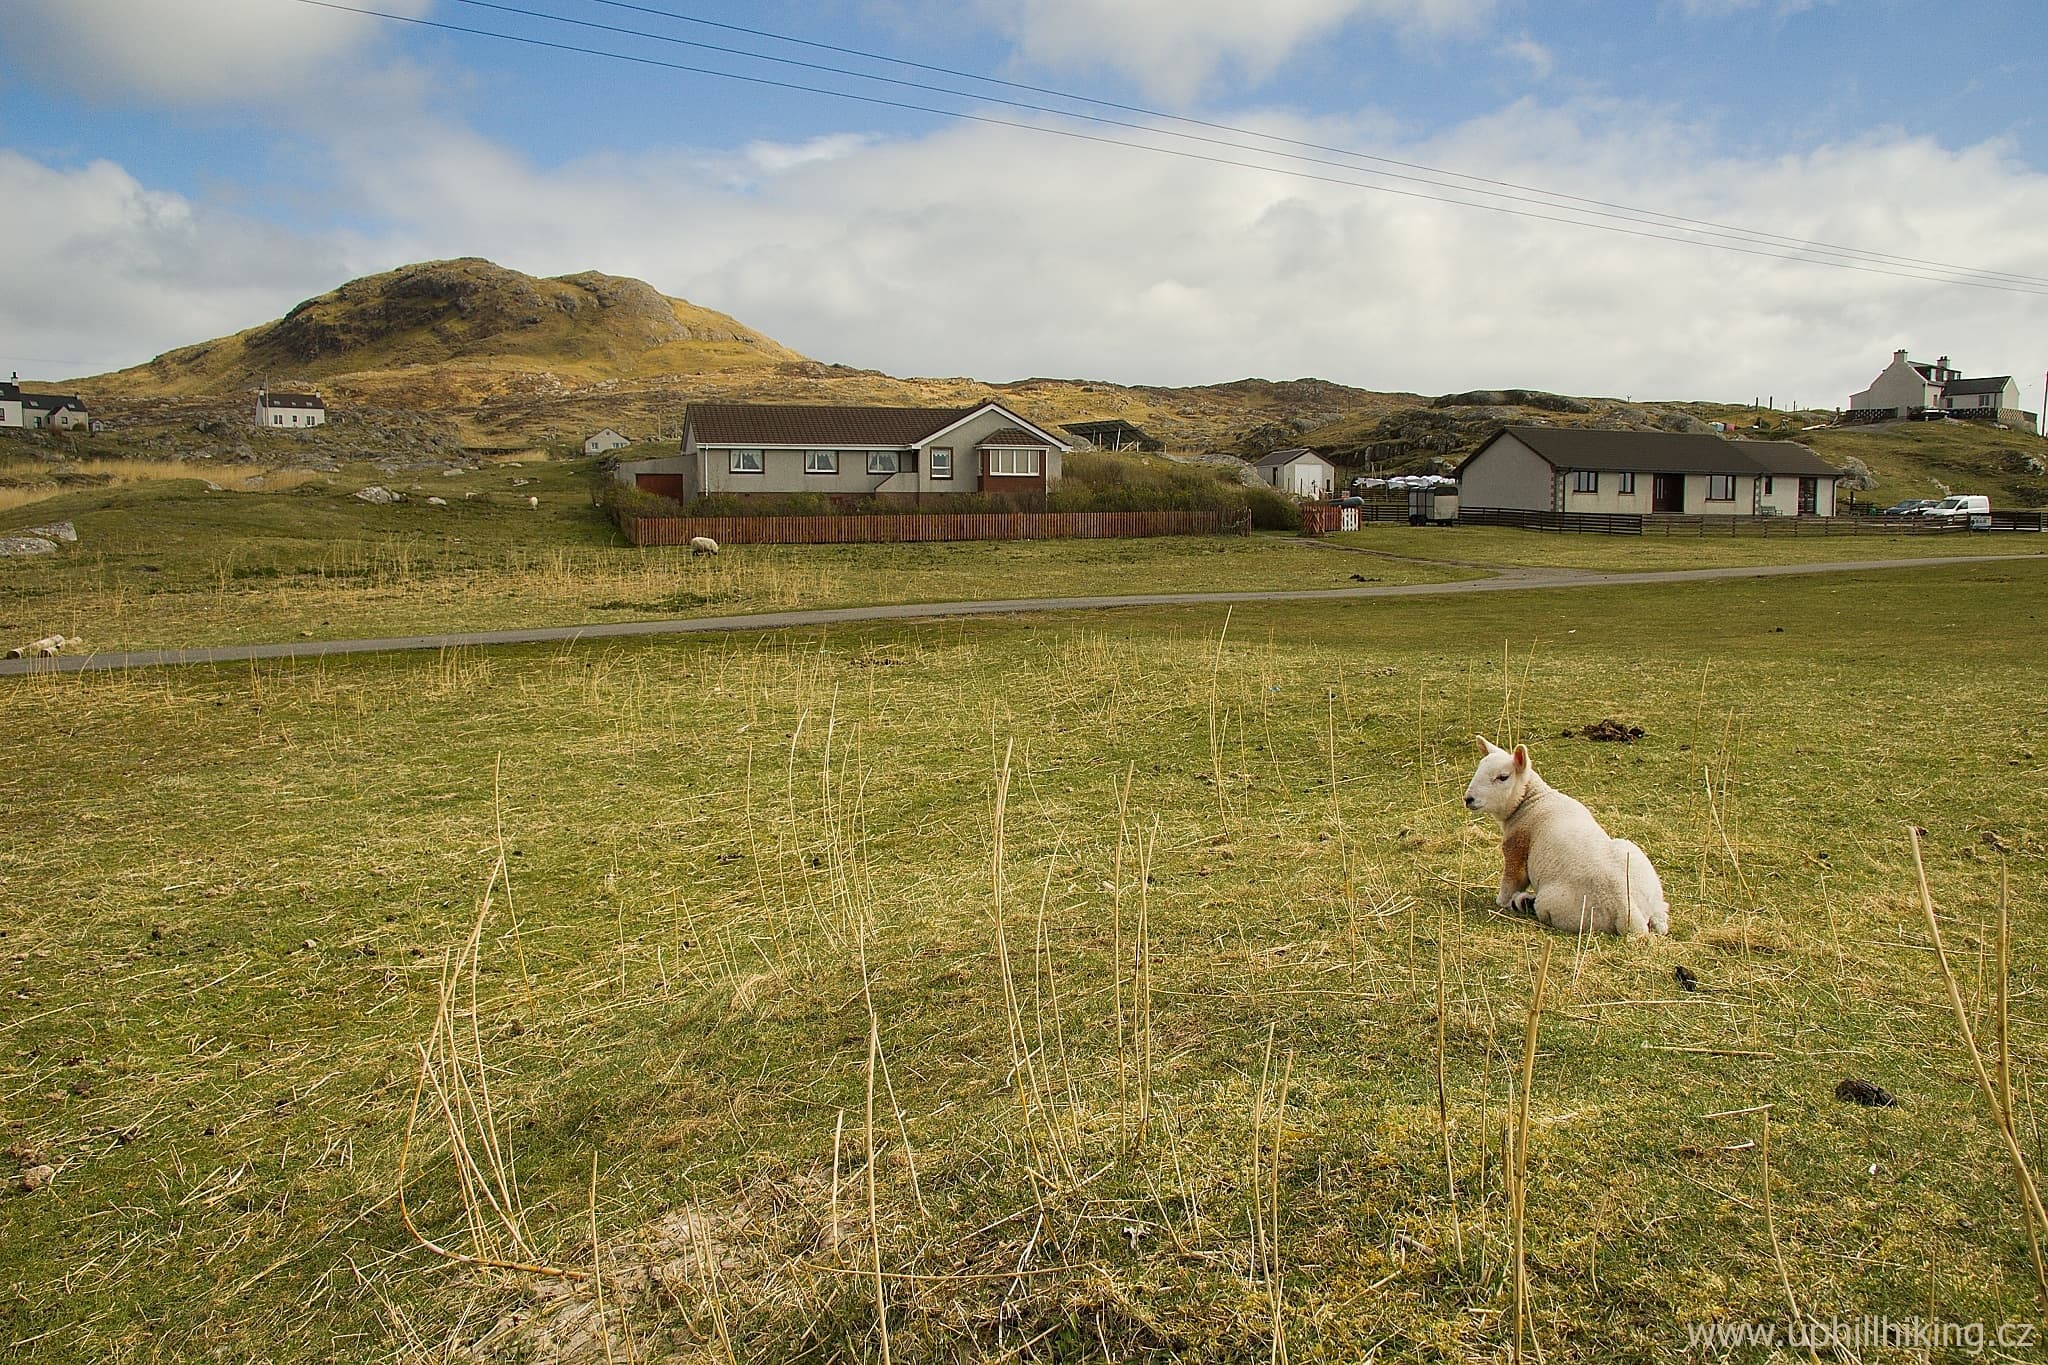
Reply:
x=1556, y=861
x=702, y=545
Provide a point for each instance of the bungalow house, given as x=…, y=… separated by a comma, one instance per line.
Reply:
x=603, y=441
x=10, y=405
x=1574, y=469
x=289, y=409
x=1113, y=434
x=1300, y=471
x=1912, y=388
x=845, y=453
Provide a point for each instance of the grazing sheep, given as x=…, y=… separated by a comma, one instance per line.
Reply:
x=702, y=545
x=532, y=501
x=1556, y=861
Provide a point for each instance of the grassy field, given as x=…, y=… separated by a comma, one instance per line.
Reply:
x=1084, y=976
x=1509, y=547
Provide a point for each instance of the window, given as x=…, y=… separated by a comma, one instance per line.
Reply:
x=1767, y=483
x=1013, y=463
x=881, y=462
x=1720, y=488
x=1628, y=483
x=277, y=419
x=942, y=462
x=1585, y=481
x=746, y=462
x=821, y=462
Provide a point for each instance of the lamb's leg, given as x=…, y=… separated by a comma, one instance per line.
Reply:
x=1561, y=905
x=1514, y=873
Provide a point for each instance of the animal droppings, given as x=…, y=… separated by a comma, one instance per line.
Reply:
x=1865, y=1093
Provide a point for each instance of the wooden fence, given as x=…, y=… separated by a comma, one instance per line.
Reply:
x=889, y=529
x=1675, y=524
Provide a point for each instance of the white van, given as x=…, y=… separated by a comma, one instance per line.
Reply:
x=1973, y=507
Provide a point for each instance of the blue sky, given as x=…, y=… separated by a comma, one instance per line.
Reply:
x=190, y=167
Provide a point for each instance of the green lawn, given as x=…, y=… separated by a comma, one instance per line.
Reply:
x=1507, y=546
x=236, y=893
x=172, y=565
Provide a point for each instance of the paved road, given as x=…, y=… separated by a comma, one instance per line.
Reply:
x=1511, y=580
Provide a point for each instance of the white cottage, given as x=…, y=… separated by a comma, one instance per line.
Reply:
x=603, y=441
x=1300, y=471
x=289, y=409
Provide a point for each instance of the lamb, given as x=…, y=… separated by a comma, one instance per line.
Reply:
x=702, y=545
x=1557, y=862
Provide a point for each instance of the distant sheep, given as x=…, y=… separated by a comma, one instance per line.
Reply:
x=1556, y=861
x=702, y=545
x=532, y=501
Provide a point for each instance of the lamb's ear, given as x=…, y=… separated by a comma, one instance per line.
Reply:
x=1486, y=746
x=1521, y=758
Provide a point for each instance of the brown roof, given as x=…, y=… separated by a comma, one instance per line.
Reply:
x=1659, y=452
x=1010, y=436
x=811, y=424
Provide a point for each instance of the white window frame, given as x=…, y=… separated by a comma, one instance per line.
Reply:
x=744, y=460
x=1585, y=481
x=942, y=462
x=1720, y=481
x=884, y=462
x=1000, y=456
x=821, y=462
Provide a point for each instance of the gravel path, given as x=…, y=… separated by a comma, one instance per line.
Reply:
x=1510, y=580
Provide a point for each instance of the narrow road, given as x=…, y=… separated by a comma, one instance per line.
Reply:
x=1509, y=580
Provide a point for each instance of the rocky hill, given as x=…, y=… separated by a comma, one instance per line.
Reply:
x=446, y=355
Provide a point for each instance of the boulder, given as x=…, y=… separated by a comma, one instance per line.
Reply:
x=17, y=546
x=62, y=530
x=379, y=494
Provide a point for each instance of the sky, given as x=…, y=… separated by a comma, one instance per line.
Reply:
x=1422, y=195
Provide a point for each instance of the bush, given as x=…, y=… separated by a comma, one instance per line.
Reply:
x=1273, y=510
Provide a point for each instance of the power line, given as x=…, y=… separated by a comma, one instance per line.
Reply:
x=1670, y=218
x=1644, y=230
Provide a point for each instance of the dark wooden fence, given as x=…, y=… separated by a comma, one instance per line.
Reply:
x=865, y=530
x=1675, y=524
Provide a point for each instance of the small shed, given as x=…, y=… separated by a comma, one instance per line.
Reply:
x=1300, y=471
x=603, y=441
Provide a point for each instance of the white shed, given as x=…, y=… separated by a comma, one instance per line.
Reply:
x=1300, y=471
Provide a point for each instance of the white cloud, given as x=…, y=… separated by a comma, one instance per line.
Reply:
x=97, y=271
x=193, y=51
x=1173, y=48
x=1535, y=56
x=999, y=253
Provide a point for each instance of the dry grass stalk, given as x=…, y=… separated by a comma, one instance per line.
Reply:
x=874, y=1216
x=597, y=1262
x=1144, y=982
x=1116, y=936
x=487, y=1185
x=2030, y=1195
x=1215, y=734
x=1273, y=1275
x=1443, y=1105
x=1518, y=1164
x=1771, y=1228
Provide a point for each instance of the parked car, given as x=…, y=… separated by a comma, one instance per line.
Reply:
x=1911, y=507
x=1974, y=508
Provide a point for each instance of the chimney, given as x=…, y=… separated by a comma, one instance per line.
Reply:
x=1898, y=357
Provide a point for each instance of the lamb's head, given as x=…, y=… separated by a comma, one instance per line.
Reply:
x=1500, y=781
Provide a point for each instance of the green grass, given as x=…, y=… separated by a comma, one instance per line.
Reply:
x=169, y=565
x=1509, y=547
x=232, y=891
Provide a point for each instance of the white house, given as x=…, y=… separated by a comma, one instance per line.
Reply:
x=1910, y=388
x=289, y=409
x=1300, y=471
x=10, y=405
x=603, y=441
x=41, y=411
x=910, y=454
x=1574, y=469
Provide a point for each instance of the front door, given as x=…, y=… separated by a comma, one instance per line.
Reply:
x=1667, y=493
x=1809, y=497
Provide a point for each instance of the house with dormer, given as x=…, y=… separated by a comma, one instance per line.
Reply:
x=41, y=411
x=1909, y=388
x=851, y=453
x=277, y=409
